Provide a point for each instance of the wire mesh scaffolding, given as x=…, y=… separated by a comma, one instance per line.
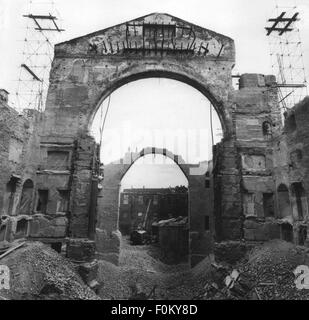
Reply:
x=287, y=59
x=42, y=31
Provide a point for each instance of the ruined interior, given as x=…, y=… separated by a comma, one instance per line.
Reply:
x=50, y=170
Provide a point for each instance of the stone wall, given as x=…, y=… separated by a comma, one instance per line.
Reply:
x=20, y=160
x=291, y=179
x=272, y=160
x=44, y=180
x=257, y=124
x=50, y=165
x=18, y=156
x=88, y=69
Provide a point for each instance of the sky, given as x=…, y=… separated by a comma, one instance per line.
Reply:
x=155, y=107
x=160, y=113
x=242, y=20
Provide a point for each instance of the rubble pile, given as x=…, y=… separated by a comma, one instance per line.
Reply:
x=268, y=274
x=37, y=272
x=139, y=265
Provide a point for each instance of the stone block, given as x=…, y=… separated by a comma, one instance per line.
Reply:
x=261, y=231
x=270, y=80
x=110, y=257
x=108, y=242
x=201, y=243
x=42, y=226
x=81, y=250
x=250, y=80
x=231, y=229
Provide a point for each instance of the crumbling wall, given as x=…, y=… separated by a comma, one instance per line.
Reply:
x=20, y=160
x=18, y=156
x=257, y=123
x=227, y=197
x=291, y=152
x=84, y=73
x=253, y=160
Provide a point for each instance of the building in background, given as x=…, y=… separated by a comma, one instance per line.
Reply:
x=164, y=203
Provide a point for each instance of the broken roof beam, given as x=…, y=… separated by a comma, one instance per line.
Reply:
x=220, y=51
x=280, y=30
x=281, y=19
x=291, y=85
x=35, y=18
x=276, y=21
x=31, y=72
x=293, y=19
x=49, y=29
x=49, y=17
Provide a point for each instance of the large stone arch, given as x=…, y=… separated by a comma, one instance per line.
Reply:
x=157, y=151
x=108, y=237
x=139, y=72
x=86, y=70
x=81, y=79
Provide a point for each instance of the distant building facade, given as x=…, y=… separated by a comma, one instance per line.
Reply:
x=164, y=203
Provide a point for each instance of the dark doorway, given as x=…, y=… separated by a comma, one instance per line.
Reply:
x=10, y=191
x=298, y=193
x=287, y=232
x=283, y=201
x=42, y=201
x=26, y=197
x=268, y=204
x=302, y=235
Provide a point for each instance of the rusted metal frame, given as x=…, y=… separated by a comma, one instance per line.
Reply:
x=35, y=18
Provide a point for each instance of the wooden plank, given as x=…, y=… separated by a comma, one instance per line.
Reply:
x=12, y=249
x=31, y=72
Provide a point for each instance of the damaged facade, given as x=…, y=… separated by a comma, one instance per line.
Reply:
x=50, y=167
x=163, y=203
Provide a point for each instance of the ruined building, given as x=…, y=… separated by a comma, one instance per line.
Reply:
x=50, y=169
x=159, y=203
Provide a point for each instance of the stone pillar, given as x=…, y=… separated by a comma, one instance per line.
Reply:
x=108, y=237
x=200, y=207
x=227, y=193
x=79, y=246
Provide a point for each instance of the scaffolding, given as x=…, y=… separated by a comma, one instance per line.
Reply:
x=287, y=55
x=43, y=29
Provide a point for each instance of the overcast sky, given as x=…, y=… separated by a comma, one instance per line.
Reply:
x=153, y=105
x=242, y=20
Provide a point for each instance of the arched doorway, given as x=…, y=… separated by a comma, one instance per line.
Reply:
x=154, y=113
x=108, y=237
x=154, y=209
x=85, y=72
